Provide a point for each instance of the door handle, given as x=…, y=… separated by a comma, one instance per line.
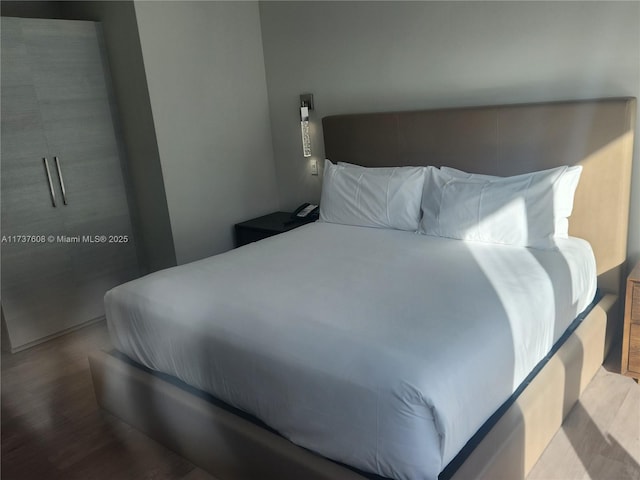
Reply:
x=64, y=193
x=53, y=195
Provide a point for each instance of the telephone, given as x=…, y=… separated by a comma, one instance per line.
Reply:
x=305, y=211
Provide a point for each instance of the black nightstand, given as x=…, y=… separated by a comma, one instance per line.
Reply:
x=267, y=226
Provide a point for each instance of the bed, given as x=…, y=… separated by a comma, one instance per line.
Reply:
x=325, y=367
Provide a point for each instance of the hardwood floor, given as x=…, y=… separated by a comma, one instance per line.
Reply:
x=53, y=429
x=600, y=438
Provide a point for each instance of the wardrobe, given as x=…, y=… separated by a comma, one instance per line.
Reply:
x=66, y=229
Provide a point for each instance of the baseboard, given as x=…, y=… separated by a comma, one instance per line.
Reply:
x=57, y=334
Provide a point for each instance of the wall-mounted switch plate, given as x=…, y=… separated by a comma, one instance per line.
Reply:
x=314, y=167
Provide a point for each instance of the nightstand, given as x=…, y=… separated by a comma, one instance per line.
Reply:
x=631, y=337
x=266, y=226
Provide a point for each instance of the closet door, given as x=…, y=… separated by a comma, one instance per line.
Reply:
x=36, y=274
x=70, y=82
x=56, y=104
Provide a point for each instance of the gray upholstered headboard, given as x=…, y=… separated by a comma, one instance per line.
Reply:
x=513, y=139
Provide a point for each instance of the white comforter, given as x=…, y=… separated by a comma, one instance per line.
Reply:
x=382, y=349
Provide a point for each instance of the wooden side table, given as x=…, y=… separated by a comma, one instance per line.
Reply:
x=631, y=336
x=266, y=226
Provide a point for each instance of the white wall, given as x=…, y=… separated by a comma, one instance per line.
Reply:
x=205, y=70
x=380, y=56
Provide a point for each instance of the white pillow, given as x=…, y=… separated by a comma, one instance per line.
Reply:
x=383, y=170
x=527, y=210
x=381, y=198
x=564, y=192
x=347, y=164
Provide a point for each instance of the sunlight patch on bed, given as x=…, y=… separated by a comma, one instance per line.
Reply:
x=497, y=265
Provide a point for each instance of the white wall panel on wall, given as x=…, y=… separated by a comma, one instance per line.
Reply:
x=381, y=56
x=206, y=76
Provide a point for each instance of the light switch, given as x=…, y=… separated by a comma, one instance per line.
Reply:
x=314, y=166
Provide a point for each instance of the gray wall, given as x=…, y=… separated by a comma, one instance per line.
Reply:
x=206, y=77
x=32, y=9
x=143, y=175
x=377, y=56
x=147, y=195
x=223, y=145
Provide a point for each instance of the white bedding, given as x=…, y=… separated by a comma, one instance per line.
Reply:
x=382, y=349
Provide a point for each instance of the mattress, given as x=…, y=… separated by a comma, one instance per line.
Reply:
x=382, y=349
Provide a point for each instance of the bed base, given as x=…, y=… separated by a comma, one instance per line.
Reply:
x=233, y=448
